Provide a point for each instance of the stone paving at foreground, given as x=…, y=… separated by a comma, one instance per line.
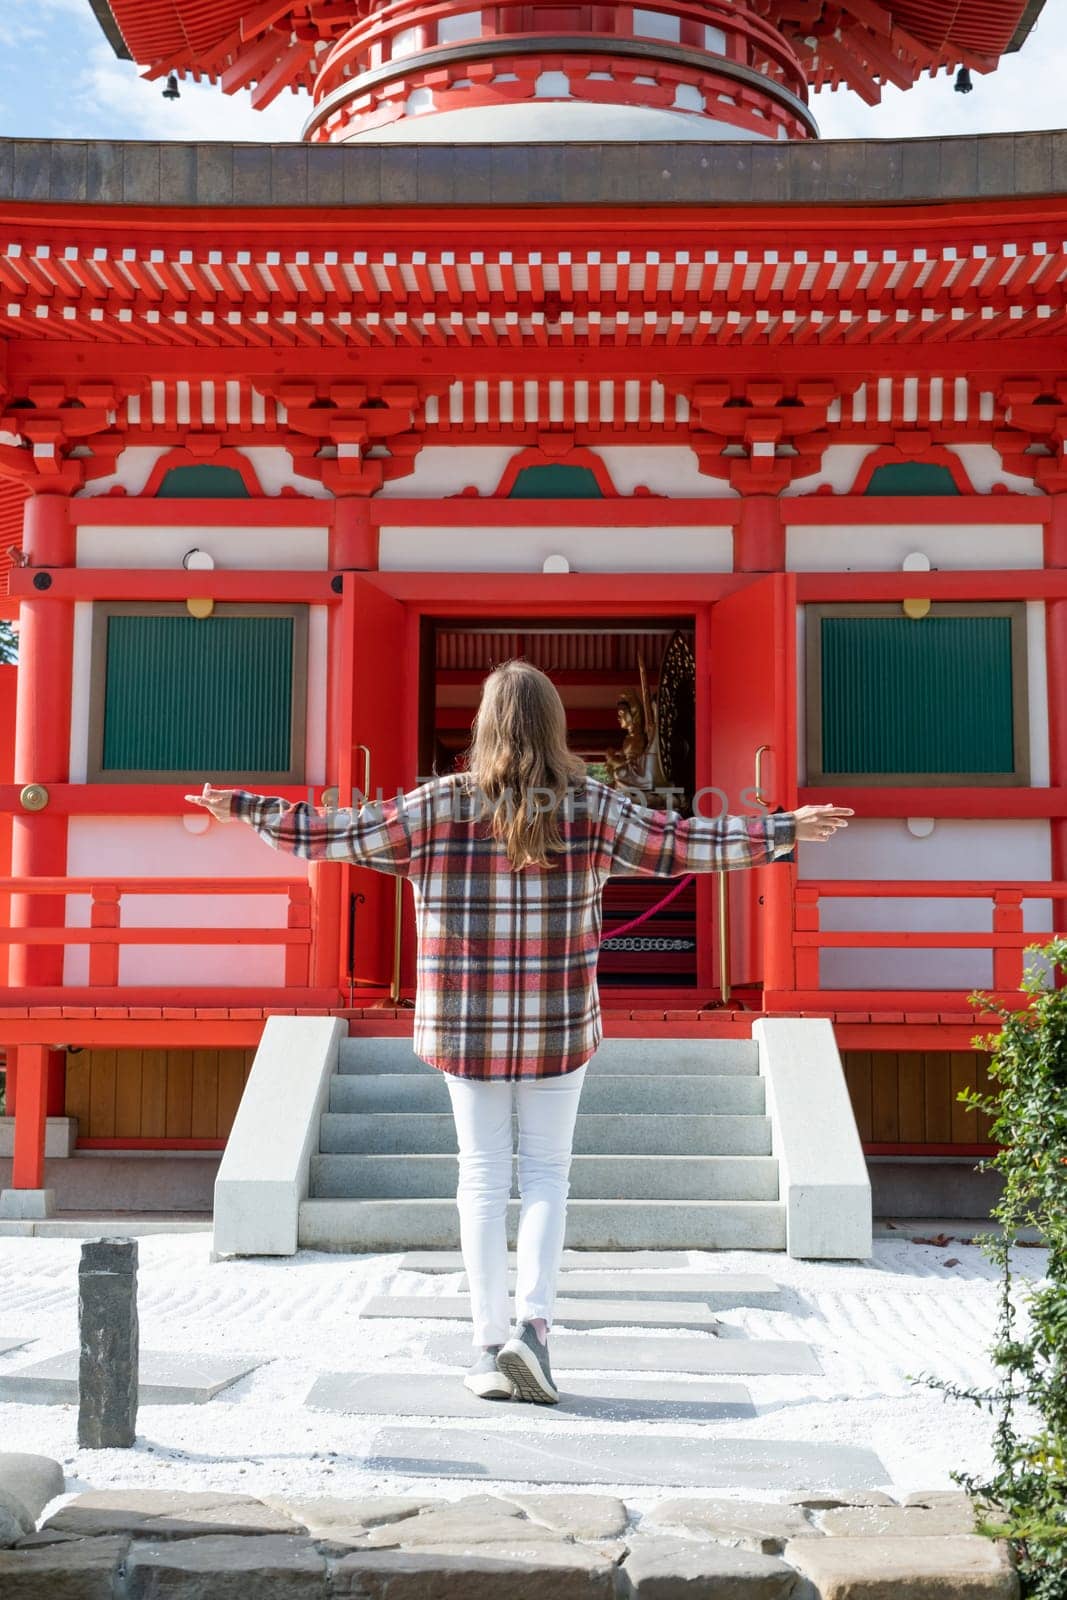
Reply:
x=138, y=1546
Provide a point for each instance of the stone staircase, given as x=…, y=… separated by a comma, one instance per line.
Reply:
x=672, y=1150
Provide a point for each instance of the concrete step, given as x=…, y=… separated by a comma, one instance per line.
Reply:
x=722, y=1291
x=609, y=1092
x=726, y=1057
x=595, y=1134
x=653, y=1352
x=642, y=1459
x=572, y=1314
x=420, y=1394
x=412, y=1177
x=372, y=1225
x=579, y=1260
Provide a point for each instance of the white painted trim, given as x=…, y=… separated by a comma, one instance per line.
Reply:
x=881, y=547
x=82, y=651
x=821, y=1171
x=264, y=1172
x=315, y=740
x=1037, y=688
x=631, y=550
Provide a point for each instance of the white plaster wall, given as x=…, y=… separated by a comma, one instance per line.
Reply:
x=442, y=470
x=671, y=470
x=963, y=849
x=272, y=465
x=840, y=465
x=588, y=549
x=540, y=121
x=155, y=847
x=968, y=546
x=984, y=467
x=239, y=549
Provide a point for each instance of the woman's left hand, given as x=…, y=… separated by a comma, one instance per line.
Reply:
x=217, y=801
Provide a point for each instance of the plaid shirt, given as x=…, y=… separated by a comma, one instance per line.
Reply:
x=507, y=960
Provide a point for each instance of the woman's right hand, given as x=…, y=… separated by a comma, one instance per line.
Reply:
x=815, y=824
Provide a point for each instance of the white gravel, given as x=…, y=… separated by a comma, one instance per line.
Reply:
x=877, y=1327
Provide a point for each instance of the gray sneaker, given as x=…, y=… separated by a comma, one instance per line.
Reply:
x=525, y=1361
x=485, y=1379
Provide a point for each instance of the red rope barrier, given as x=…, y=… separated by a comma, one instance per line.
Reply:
x=617, y=933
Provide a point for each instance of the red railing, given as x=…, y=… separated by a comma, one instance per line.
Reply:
x=792, y=952
x=105, y=934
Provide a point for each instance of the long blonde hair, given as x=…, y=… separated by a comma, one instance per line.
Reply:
x=519, y=763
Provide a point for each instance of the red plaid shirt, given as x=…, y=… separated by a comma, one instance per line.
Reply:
x=507, y=960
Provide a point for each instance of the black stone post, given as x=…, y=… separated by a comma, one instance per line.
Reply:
x=107, y=1322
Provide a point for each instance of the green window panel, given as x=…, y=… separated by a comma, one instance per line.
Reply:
x=202, y=483
x=931, y=695
x=556, y=482
x=911, y=477
x=220, y=696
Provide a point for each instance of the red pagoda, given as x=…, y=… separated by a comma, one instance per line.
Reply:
x=561, y=335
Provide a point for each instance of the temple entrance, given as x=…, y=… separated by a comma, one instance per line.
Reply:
x=629, y=688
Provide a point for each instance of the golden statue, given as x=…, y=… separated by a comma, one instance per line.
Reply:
x=636, y=764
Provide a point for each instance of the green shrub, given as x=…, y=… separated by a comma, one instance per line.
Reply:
x=1024, y=1499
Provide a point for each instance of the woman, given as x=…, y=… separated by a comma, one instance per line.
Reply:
x=508, y=862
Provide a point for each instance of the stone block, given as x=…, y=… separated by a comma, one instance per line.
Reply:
x=108, y=1330
x=766, y=1528
x=572, y=1314
x=679, y=1569
x=80, y=1569
x=655, y=1460
x=911, y=1522
x=272, y=1567
x=214, y=174
x=474, y=1520
x=828, y=1501
x=339, y=1518
x=15, y=1523
x=963, y=1567
x=406, y=1394
x=27, y=1205
x=937, y=1497
x=583, y=1352
x=581, y=1516
x=177, y=174
x=60, y=1133
x=169, y=1514
x=166, y=1379
x=34, y=1480
x=567, y=1573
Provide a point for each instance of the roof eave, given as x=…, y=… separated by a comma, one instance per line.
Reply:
x=113, y=34
x=1026, y=24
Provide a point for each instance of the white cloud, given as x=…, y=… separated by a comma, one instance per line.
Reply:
x=203, y=111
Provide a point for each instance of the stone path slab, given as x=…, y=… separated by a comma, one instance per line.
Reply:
x=406, y=1394
x=573, y=1313
x=720, y=1290
x=15, y=1344
x=580, y=1353
x=650, y=1460
x=165, y=1379
x=580, y=1260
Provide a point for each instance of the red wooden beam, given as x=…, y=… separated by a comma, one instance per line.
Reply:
x=156, y=583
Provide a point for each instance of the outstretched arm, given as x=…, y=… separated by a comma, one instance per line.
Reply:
x=378, y=835
x=664, y=845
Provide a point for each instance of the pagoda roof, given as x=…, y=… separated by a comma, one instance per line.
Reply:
x=276, y=44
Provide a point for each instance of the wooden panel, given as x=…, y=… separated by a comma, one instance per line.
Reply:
x=102, y=1095
x=885, y=1120
x=153, y=1094
x=128, y=1094
x=963, y=1073
x=79, y=1078
x=858, y=1077
x=179, y=1094
x=205, y=1107
x=910, y=1096
x=234, y=1067
x=938, y=1099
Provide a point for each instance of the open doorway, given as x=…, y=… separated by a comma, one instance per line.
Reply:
x=627, y=684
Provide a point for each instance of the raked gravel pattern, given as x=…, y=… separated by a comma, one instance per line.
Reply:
x=875, y=1327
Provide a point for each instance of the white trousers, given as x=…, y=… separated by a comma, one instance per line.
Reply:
x=546, y=1110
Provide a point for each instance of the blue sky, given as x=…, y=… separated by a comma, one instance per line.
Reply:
x=59, y=79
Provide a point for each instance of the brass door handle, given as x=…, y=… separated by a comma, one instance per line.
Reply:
x=366, y=768
x=757, y=790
